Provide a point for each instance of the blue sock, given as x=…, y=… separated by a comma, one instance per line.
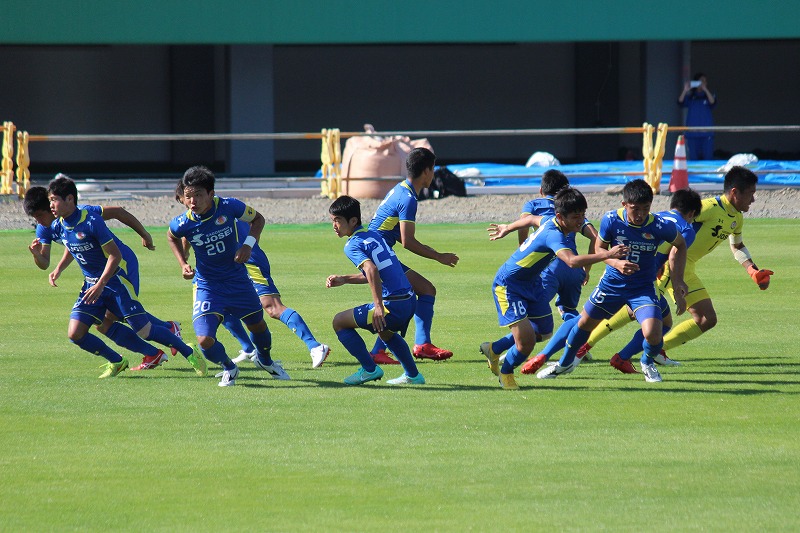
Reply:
x=354, y=344
x=399, y=348
x=95, y=346
x=124, y=336
x=379, y=345
x=513, y=359
x=649, y=351
x=216, y=354
x=633, y=347
x=157, y=321
x=295, y=322
x=501, y=345
x=263, y=344
x=165, y=337
x=235, y=327
x=559, y=338
x=575, y=340
x=423, y=317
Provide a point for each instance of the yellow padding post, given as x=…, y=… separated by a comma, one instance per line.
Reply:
x=8, y=158
x=653, y=154
x=23, y=162
x=325, y=157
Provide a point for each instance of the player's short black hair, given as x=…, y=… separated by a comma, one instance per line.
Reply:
x=553, y=181
x=418, y=160
x=62, y=186
x=179, y=192
x=346, y=207
x=568, y=201
x=637, y=192
x=35, y=200
x=199, y=177
x=685, y=201
x=739, y=178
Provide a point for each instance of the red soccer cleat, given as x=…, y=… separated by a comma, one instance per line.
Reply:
x=151, y=361
x=429, y=351
x=533, y=364
x=383, y=358
x=623, y=366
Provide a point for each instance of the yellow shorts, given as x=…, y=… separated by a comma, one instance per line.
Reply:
x=697, y=291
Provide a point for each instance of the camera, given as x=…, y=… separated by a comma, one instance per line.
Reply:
x=694, y=84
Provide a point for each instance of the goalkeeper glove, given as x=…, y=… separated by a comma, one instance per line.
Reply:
x=761, y=277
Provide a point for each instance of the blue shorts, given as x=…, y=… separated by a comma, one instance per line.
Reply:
x=516, y=301
x=564, y=282
x=238, y=299
x=119, y=297
x=398, y=314
x=644, y=302
x=262, y=281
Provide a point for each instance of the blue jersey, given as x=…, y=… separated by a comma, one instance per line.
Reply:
x=84, y=233
x=643, y=242
x=214, y=237
x=684, y=228
x=366, y=245
x=399, y=205
x=527, y=263
x=543, y=206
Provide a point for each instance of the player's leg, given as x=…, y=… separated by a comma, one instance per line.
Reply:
x=82, y=317
x=398, y=315
x=700, y=308
x=262, y=339
x=275, y=308
x=205, y=328
x=555, y=344
x=423, y=318
x=345, y=325
x=124, y=336
x=621, y=318
x=238, y=331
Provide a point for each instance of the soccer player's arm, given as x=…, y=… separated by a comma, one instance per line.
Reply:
x=257, y=222
x=63, y=263
x=677, y=267
x=589, y=231
x=121, y=214
x=572, y=260
x=498, y=231
x=373, y=277
x=409, y=241
x=178, y=250
x=41, y=253
x=113, y=259
x=760, y=276
x=522, y=233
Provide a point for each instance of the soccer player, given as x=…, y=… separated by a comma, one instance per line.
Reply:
x=395, y=220
x=222, y=285
x=517, y=288
x=258, y=270
x=393, y=299
x=108, y=285
x=720, y=219
x=685, y=205
x=37, y=205
x=558, y=279
x=628, y=281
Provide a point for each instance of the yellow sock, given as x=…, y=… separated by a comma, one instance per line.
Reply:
x=619, y=320
x=681, y=334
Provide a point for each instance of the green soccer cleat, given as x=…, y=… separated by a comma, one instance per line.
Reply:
x=198, y=362
x=362, y=376
x=112, y=369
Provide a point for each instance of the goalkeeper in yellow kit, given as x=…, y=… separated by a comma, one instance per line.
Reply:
x=720, y=219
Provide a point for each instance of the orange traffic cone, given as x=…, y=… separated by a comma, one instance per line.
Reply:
x=680, y=175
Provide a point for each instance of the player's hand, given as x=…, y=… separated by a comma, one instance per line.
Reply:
x=93, y=293
x=334, y=281
x=449, y=259
x=243, y=254
x=36, y=247
x=187, y=272
x=497, y=231
x=53, y=277
x=378, y=320
x=585, y=278
x=679, y=292
x=761, y=277
x=147, y=242
x=617, y=252
x=626, y=267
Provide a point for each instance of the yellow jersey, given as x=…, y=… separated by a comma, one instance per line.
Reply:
x=718, y=219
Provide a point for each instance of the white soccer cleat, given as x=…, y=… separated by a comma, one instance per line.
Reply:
x=243, y=356
x=553, y=370
x=651, y=374
x=319, y=354
x=228, y=377
x=275, y=369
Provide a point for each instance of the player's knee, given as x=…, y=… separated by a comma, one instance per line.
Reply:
x=75, y=336
x=145, y=331
x=274, y=311
x=206, y=341
x=708, y=322
x=103, y=327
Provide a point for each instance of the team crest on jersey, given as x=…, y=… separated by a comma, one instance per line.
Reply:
x=733, y=225
x=221, y=220
x=648, y=236
x=80, y=235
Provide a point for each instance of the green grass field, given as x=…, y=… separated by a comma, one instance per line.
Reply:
x=713, y=447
